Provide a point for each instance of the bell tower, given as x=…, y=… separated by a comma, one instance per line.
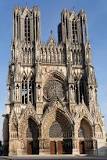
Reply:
x=73, y=27
x=26, y=25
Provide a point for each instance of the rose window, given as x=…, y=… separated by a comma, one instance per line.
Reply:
x=53, y=90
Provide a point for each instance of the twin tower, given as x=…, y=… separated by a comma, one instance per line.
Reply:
x=52, y=91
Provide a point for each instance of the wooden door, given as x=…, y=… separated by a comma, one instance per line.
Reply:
x=29, y=147
x=60, y=147
x=67, y=146
x=35, y=147
x=82, y=147
x=52, y=147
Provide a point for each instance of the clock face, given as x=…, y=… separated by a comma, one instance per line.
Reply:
x=53, y=89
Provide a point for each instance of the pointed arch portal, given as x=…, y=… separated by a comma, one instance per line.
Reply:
x=58, y=131
x=32, y=135
x=85, y=135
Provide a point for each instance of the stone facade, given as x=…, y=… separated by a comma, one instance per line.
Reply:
x=52, y=102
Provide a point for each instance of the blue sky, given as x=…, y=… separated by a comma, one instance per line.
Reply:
x=96, y=11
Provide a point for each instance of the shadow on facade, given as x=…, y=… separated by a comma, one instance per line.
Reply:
x=6, y=135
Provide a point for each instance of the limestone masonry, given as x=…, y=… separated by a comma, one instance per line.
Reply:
x=52, y=90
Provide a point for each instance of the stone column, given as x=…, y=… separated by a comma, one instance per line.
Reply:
x=13, y=145
x=41, y=146
x=95, y=151
x=22, y=147
x=75, y=141
x=11, y=148
x=38, y=89
x=44, y=146
x=75, y=149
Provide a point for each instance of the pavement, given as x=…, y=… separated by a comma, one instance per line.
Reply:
x=52, y=157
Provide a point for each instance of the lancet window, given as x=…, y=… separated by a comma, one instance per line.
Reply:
x=77, y=91
x=74, y=31
x=27, y=28
x=27, y=90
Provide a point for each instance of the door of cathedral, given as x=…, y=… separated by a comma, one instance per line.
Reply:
x=82, y=147
x=33, y=147
x=29, y=147
x=67, y=146
x=52, y=147
x=61, y=133
x=61, y=147
x=56, y=147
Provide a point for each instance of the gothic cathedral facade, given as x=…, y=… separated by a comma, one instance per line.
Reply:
x=52, y=90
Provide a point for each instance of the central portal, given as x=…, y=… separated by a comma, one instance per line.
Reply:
x=60, y=134
x=61, y=147
x=56, y=147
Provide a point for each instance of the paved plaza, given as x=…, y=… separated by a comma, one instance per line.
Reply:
x=52, y=157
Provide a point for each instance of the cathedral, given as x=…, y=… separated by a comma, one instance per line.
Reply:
x=52, y=103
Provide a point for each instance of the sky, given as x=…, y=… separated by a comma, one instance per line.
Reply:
x=96, y=11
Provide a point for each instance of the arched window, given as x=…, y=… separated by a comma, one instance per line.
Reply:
x=27, y=29
x=31, y=90
x=82, y=92
x=77, y=91
x=24, y=91
x=74, y=31
x=27, y=90
x=75, y=57
x=55, y=130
